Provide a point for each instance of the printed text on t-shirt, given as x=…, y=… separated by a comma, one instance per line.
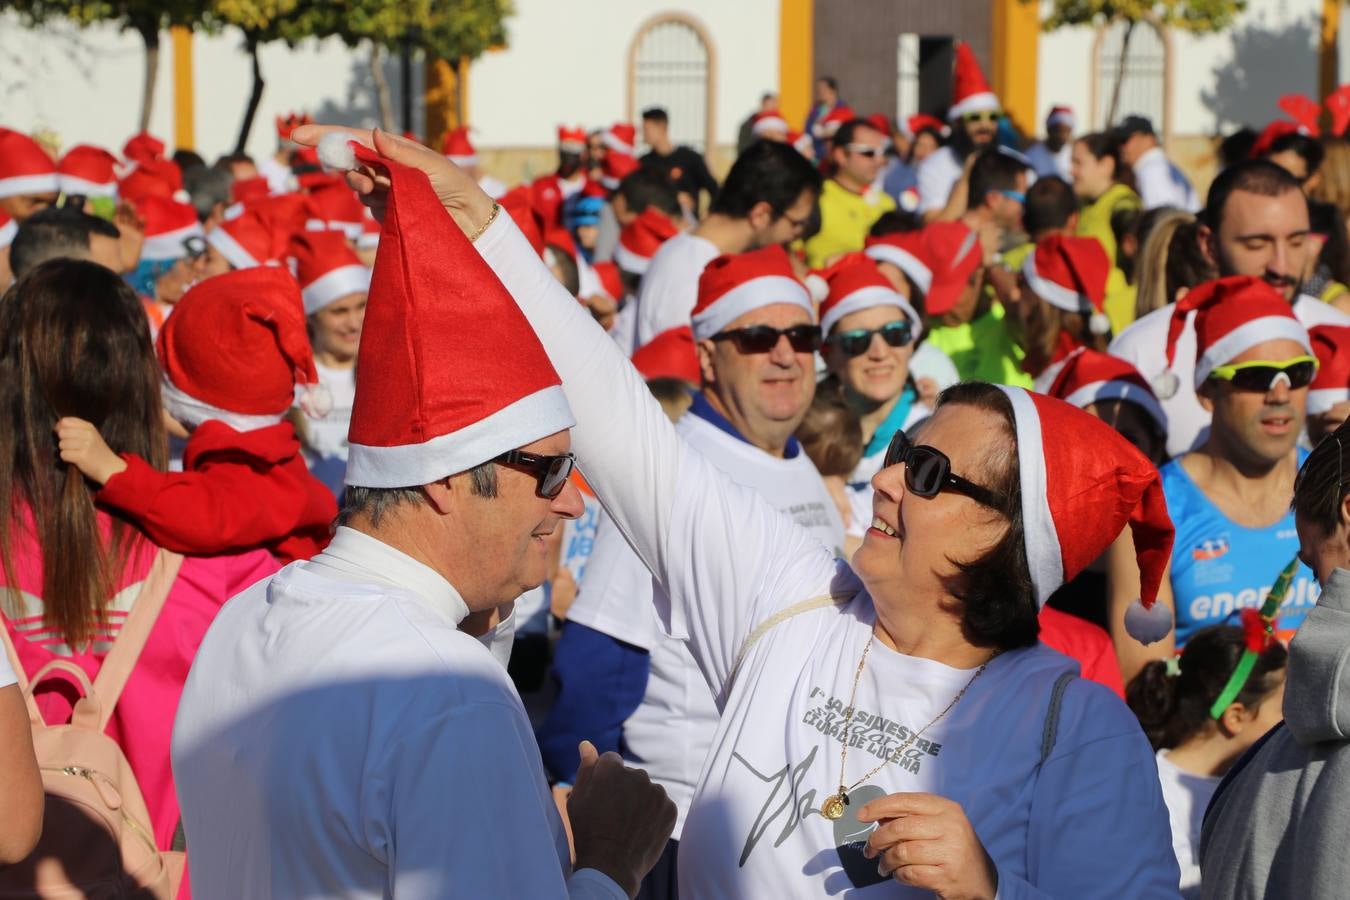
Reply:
x=870, y=732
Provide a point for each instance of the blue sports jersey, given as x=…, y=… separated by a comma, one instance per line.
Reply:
x=1219, y=567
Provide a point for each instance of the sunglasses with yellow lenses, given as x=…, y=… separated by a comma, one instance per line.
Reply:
x=1262, y=375
x=980, y=117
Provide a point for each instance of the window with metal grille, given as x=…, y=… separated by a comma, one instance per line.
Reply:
x=671, y=65
x=1131, y=68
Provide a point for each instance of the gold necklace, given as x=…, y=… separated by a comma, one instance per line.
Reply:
x=833, y=807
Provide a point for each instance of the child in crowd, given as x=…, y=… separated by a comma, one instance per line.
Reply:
x=831, y=436
x=233, y=354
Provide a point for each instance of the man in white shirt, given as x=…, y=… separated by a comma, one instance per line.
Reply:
x=768, y=198
x=621, y=679
x=342, y=732
x=1157, y=178
x=974, y=117
x=1255, y=223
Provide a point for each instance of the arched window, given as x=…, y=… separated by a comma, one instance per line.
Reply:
x=1139, y=56
x=671, y=64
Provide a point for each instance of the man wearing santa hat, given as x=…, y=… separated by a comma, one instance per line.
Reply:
x=28, y=179
x=618, y=675
x=974, y=116
x=548, y=192
x=390, y=754
x=1053, y=155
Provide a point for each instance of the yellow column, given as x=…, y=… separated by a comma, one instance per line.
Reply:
x=441, y=101
x=184, y=105
x=796, y=44
x=1329, y=52
x=1015, y=44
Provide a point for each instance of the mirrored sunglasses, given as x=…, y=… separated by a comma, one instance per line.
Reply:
x=1262, y=375
x=856, y=342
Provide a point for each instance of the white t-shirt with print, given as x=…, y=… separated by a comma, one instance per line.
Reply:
x=1187, y=799
x=726, y=561
x=669, y=287
x=671, y=731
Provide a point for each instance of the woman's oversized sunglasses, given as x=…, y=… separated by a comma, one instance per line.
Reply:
x=928, y=472
x=856, y=342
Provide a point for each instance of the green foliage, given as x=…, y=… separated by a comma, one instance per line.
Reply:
x=1188, y=15
x=145, y=16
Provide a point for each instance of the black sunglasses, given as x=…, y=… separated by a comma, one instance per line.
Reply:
x=552, y=472
x=856, y=342
x=928, y=472
x=763, y=338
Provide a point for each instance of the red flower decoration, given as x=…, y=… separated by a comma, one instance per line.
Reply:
x=1256, y=631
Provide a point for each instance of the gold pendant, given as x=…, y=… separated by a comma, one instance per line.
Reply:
x=833, y=807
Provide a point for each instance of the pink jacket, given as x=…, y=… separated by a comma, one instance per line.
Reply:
x=143, y=720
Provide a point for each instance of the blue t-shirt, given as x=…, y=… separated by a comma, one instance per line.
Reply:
x=1219, y=567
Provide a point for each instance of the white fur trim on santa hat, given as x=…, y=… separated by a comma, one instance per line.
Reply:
x=462, y=161
x=530, y=418
x=869, y=298
x=169, y=245
x=193, y=412
x=1323, y=399
x=368, y=240
x=613, y=143
x=1246, y=336
x=768, y=124
x=7, y=232
x=333, y=286
x=985, y=101
x=1119, y=390
x=352, y=230
x=232, y=250
x=753, y=294
x=629, y=261
x=1038, y=526
x=1061, y=117
x=1056, y=295
x=906, y=262
x=23, y=185
x=71, y=185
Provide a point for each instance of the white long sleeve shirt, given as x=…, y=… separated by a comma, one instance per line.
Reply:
x=1089, y=823
x=1161, y=183
x=669, y=288
x=340, y=737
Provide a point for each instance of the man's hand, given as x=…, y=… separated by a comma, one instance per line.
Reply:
x=927, y=842
x=461, y=196
x=81, y=445
x=620, y=820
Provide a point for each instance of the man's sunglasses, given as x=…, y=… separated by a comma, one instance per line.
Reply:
x=856, y=342
x=195, y=246
x=928, y=472
x=1262, y=375
x=866, y=150
x=980, y=117
x=763, y=338
x=552, y=472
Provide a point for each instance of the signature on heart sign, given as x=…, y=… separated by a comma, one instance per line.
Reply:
x=850, y=837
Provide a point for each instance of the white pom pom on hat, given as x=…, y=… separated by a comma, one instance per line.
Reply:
x=1099, y=323
x=1148, y=625
x=335, y=151
x=818, y=286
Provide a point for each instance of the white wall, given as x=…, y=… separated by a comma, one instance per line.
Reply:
x=561, y=66
x=1219, y=81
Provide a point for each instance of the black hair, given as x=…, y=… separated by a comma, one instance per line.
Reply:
x=1256, y=176
x=992, y=171
x=1175, y=708
x=1050, y=204
x=567, y=265
x=769, y=172
x=1334, y=259
x=645, y=188
x=1320, y=487
x=1102, y=145
x=188, y=159
x=1124, y=223
x=655, y=114
x=1307, y=148
x=896, y=221
x=54, y=233
x=1237, y=147
x=830, y=81
x=997, y=596
x=208, y=188
x=846, y=133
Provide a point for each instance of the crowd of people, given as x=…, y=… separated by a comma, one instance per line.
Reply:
x=919, y=510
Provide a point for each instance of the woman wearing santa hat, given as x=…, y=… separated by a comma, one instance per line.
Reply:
x=1060, y=303
x=895, y=719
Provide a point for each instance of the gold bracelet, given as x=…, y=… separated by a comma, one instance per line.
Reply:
x=492, y=217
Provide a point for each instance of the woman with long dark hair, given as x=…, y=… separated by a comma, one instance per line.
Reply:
x=74, y=341
x=1104, y=185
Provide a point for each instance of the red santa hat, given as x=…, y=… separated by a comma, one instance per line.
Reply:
x=8, y=229
x=611, y=283
x=435, y=395
x=327, y=269
x=1081, y=484
x=881, y=122
x=641, y=238
x=732, y=286
x=571, y=139
x=25, y=168
x=168, y=224
x=852, y=284
x=458, y=148
x=922, y=121
x=1338, y=105
x=671, y=354
x=954, y=252
x=143, y=147
x=152, y=178
x=621, y=137
x=1331, y=346
x=336, y=206
x=615, y=168
x=236, y=349
x=87, y=170
x=1087, y=376
x=830, y=122
x=1232, y=315
x=248, y=190
x=769, y=121
x=249, y=240
x=1070, y=273
x=1061, y=115
x=970, y=91
x=904, y=250
x=518, y=204
x=1305, y=114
